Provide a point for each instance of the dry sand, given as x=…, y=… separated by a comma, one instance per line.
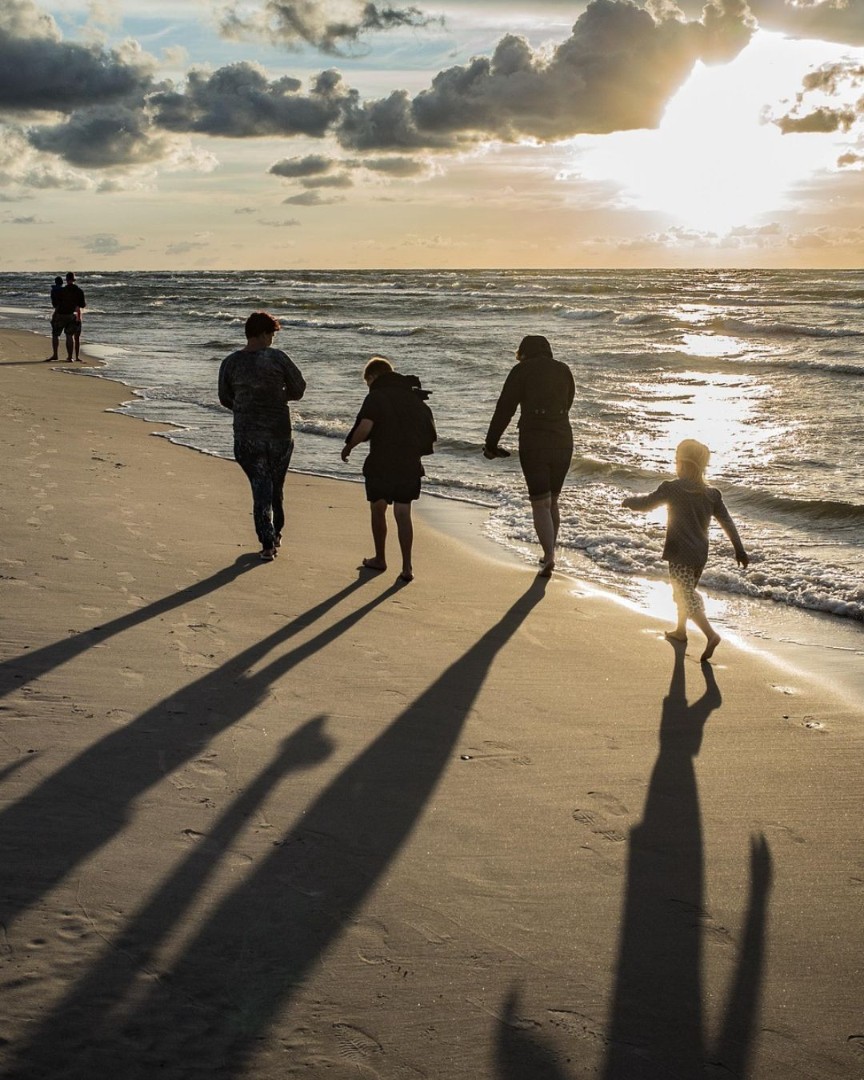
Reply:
x=288, y=819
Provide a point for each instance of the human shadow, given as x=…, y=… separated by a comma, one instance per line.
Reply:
x=81, y=806
x=656, y=1029
x=657, y=1026
x=260, y=942
x=20, y=670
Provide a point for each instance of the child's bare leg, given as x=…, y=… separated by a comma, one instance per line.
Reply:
x=378, y=518
x=405, y=529
x=711, y=636
x=678, y=594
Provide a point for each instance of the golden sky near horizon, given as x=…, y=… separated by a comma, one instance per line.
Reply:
x=141, y=134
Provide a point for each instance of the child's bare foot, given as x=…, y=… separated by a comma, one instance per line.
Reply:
x=546, y=568
x=711, y=645
x=675, y=635
x=374, y=564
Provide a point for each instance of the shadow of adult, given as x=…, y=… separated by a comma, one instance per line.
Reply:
x=80, y=807
x=19, y=670
x=520, y=1054
x=261, y=941
x=657, y=1028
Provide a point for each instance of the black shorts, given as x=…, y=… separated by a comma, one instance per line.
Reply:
x=545, y=469
x=395, y=490
x=65, y=324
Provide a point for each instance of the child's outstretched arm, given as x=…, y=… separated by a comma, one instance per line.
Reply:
x=645, y=502
x=728, y=526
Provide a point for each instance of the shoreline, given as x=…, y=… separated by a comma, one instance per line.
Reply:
x=787, y=636
x=294, y=818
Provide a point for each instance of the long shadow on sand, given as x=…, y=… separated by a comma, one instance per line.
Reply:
x=20, y=670
x=262, y=939
x=656, y=1029
x=81, y=806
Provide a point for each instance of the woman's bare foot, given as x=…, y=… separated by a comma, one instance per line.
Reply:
x=374, y=564
x=407, y=575
x=711, y=645
x=675, y=635
x=546, y=568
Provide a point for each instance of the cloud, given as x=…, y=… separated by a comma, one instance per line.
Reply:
x=826, y=20
x=312, y=198
x=830, y=81
x=287, y=223
x=340, y=181
x=103, y=244
x=21, y=165
x=615, y=72
x=327, y=26
x=102, y=137
x=183, y=247
x=396, y=166
x=40, y=71
x=238, y=101
x=27, y=221
x=311, y=165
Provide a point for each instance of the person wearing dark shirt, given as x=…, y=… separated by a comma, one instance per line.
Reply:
x=398, y=423
x=691, y=505
x=542, y=388
x=256, y=383
x=66, y=319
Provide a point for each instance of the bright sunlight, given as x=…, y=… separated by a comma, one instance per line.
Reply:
x=715, y=163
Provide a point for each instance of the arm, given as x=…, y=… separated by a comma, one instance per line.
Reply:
x=728, y=526
x=646, y=502
x=508, y=402
x=359, y=433
x=226, y=394
x=294, y=381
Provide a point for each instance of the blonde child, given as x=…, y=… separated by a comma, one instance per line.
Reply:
x=691, y=505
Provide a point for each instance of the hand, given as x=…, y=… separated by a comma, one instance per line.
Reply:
x=742, y=558
x=346, y=452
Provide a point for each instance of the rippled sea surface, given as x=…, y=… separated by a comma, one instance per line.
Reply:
x=766, y=367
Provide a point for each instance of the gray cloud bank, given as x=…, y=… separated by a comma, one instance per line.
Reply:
x=616, y=71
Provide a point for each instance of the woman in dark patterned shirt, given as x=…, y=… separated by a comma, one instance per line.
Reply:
x=691, y=505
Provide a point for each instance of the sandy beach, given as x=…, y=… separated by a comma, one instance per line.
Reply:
x=297, y=819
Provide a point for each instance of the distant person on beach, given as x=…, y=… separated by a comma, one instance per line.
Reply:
x=256, y=383
x=691, y=505
x=543, y=390
x=399, y=425
x=67, y=300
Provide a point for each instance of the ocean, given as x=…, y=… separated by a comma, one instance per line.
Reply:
x=766, y=367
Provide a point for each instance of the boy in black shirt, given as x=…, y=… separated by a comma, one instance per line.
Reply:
x=399, y=426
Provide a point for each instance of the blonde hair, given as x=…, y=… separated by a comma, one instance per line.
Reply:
x=378, y=365
x=691, y=460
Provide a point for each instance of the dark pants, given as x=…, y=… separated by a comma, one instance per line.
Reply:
x=265, y=462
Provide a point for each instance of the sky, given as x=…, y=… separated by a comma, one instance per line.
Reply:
x=270, y=134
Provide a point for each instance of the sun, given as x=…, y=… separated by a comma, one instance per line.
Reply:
x=716, y=162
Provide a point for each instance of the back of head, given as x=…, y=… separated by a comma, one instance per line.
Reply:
x=58, y=280
x=259, y=322
x=70, y=277
x=534, y=347
x=378, y=365
x=691, y=459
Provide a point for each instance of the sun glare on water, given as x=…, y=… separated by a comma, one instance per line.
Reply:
x=715, y=163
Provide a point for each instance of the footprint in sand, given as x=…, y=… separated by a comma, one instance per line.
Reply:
x=356, y=1044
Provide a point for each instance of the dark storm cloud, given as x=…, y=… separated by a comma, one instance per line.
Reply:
x=615, y=72
x=39, y=71
x=238, y=101
x=311, y=165
x=102, y=137
x=327, y=26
